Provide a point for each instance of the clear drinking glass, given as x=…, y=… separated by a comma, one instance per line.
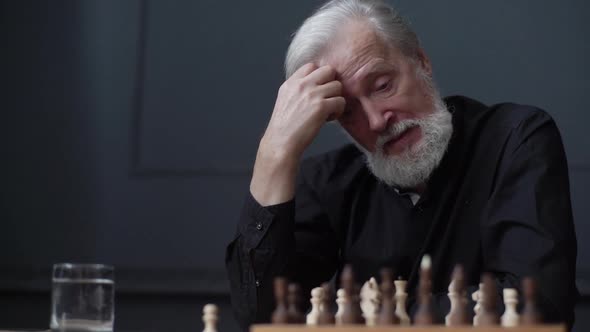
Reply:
x=82, y=298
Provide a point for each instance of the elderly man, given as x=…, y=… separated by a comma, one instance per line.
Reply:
x=483, y=186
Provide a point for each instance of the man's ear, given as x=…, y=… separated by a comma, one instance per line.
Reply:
x=424, y=61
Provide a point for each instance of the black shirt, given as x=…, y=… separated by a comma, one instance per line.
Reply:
x=499, y=202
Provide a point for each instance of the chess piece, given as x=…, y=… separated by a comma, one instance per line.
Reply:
x=425, y=314
x=400, y=301
x=351, y=313
x=316, y=300
x=530, y=313
x=387, y=315
x=370, y=300
x=340, y=301
x=488, y=315
x=476, y=296
x=210, y=318
x=280, y=315
x=325, y=316
x=295, y=316
x=458, y=314
x=510, y=318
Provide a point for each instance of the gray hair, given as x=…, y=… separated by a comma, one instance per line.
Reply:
x=315, y=33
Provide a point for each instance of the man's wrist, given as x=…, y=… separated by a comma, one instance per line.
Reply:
x=273, y=179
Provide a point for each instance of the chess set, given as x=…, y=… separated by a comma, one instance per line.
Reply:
x=382, y=307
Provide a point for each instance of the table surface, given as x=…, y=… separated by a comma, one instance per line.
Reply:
x=398, y=328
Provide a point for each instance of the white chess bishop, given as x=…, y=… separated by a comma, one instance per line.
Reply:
x=454, y=297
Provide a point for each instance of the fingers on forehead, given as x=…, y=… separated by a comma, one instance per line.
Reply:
x=332, y=88
x=335, y=108
x=304, y=70
x=323, y=75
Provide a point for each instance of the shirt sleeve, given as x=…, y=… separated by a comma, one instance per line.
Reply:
x=528, y=225
x=273, y=241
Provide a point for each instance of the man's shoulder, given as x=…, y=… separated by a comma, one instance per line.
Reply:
x=500, y=117
x=489, y=134
x=515, y=115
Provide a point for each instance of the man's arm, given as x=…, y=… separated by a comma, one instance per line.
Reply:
x=271, y=241
x=528, y=228
x=267, y=243
x=304, y=103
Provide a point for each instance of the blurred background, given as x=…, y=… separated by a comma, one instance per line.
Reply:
x=129, y=130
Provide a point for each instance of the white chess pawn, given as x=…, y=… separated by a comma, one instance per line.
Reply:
x=370, y=301
x=341, y=299
x=210, y=318
x=476, y=296
x=510, y=317
x=316, y=299
x=400, y=302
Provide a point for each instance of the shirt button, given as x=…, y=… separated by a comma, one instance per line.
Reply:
x=257, y=283
x=259, y=226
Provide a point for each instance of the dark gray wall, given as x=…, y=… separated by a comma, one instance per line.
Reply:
x=129, y=129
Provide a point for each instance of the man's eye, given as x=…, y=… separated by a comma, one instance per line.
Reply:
x=383, y=86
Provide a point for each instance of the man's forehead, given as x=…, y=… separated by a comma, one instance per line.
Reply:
x=374, y=66
x=354, y=71
x=358, y=51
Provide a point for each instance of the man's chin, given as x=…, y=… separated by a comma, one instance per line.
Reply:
x=405, y=169
x=405, y=144
x=406, y=155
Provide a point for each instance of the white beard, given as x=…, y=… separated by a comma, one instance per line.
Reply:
x=413, y=166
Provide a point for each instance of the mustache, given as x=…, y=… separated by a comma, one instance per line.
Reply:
x=395, y=130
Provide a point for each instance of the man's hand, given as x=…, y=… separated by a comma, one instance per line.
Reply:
x=304, y=102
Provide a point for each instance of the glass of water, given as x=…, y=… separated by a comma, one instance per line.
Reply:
x=82, y=298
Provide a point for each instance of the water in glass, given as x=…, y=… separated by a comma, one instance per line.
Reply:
x=82, y=305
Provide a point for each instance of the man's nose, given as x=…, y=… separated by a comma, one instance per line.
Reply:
x=377, y=115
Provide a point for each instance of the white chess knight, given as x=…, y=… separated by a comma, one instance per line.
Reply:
x=370, y=301
x=210, y=318
x=400, y=302
x=316, y=299
x=510, y=317
x=476, y=296
x=341, y=299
